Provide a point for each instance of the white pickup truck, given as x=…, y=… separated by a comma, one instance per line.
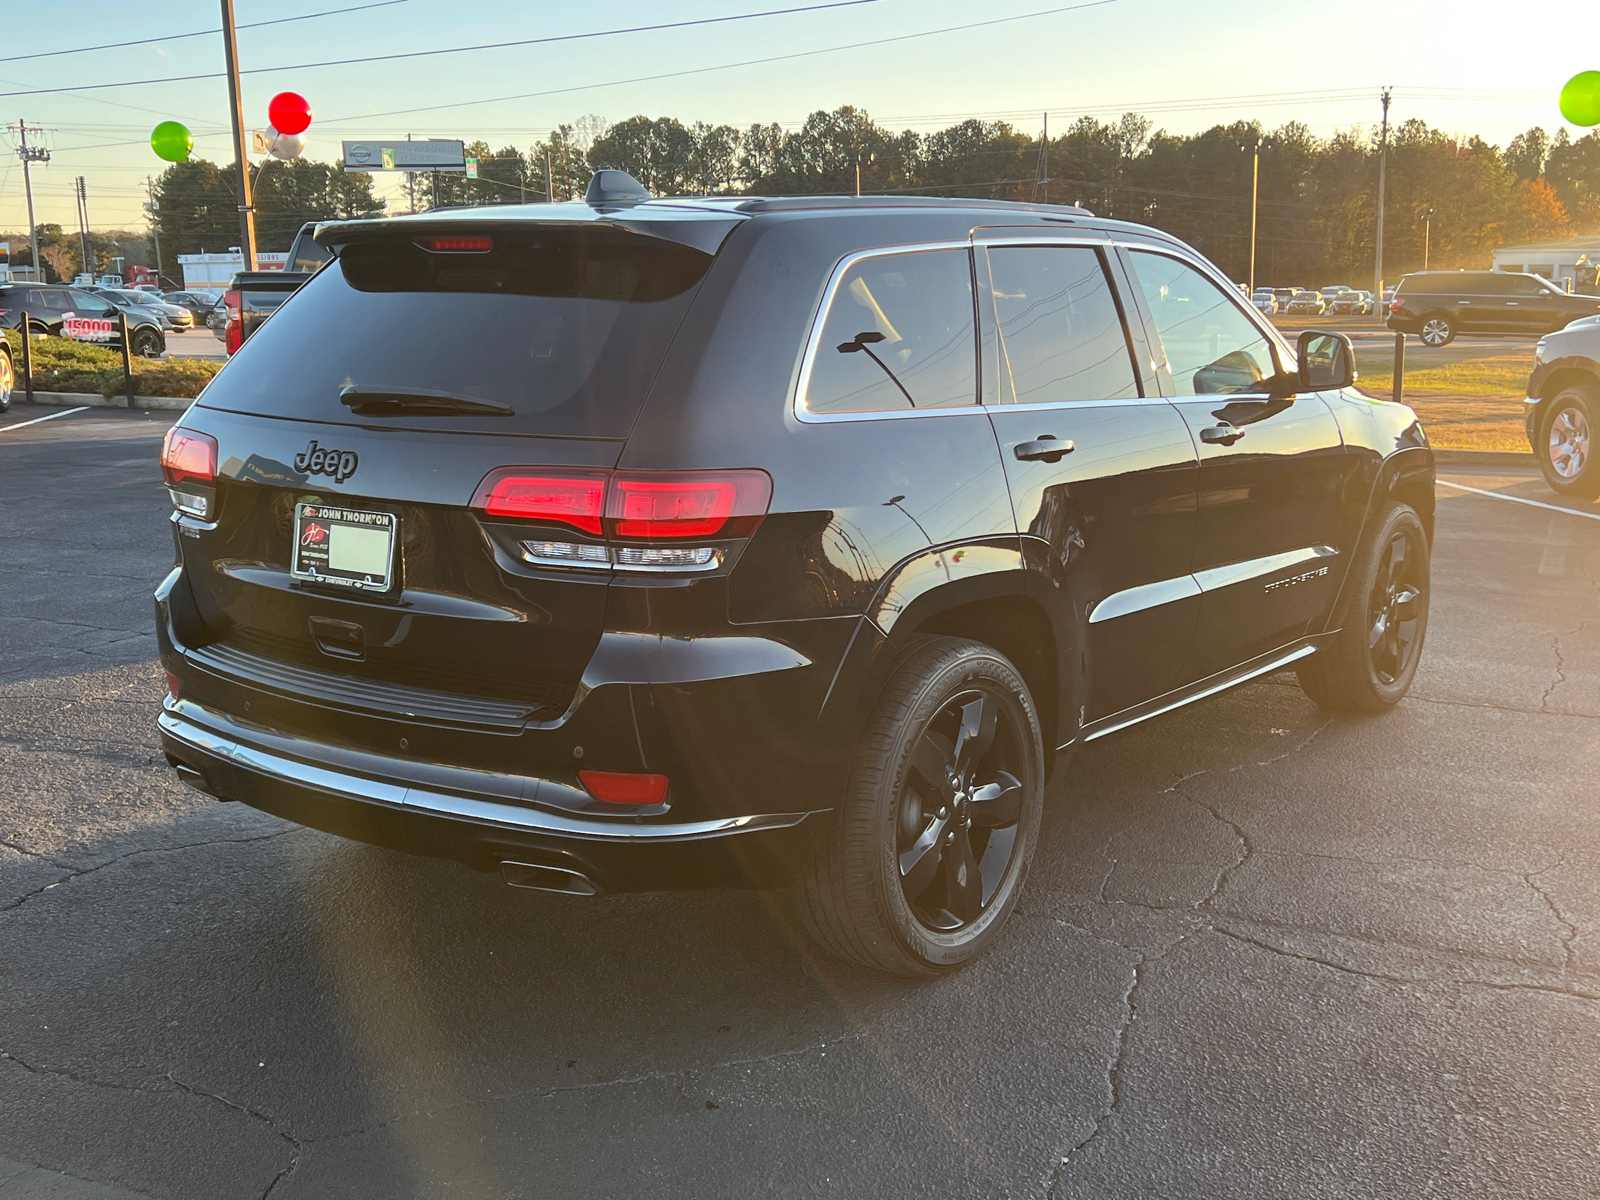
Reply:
x=1563, y=407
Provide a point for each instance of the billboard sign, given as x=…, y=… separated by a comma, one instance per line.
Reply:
x=448, y=155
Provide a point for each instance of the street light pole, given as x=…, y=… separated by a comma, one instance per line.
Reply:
x=1427, y=235
x=247, y=208
x=1383, y=168
x=1255, y=200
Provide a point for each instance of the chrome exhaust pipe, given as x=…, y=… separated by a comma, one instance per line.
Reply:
x=548, y=879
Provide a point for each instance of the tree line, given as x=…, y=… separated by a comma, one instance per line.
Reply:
x=1317, y=196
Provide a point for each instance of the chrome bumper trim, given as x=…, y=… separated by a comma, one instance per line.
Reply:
x=448, y=805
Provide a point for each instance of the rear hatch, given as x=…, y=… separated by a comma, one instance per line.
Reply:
x=373, y=405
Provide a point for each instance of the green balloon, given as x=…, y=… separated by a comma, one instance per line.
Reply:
x=1580, y=99
x=172, y=141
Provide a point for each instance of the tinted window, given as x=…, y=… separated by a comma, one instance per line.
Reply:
x=898, y=334
x=565, y=327
x=1211, y=346
x=1522, y=285
x=84, y=304
x=1482, y=283
x=1060, y=336
x=48, y=298
x=308, y=256
x=1426, y=285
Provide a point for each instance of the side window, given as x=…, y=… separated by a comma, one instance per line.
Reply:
x=898, y=334
x=1487, y=284
x=1059, y=336
x=86, y=305
x=1522, y=285
x=49, y=298
x=1211, y=346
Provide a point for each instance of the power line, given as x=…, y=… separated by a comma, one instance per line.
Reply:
x=750, y=62
x=178, y=37
x=540, y=41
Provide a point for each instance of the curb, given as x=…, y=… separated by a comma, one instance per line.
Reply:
x=96, y=400
x=1486, y=458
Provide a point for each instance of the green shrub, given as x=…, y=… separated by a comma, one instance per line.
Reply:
x=63, y=365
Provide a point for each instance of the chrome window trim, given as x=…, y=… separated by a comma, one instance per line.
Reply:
x=1184, y=587
x=1044, y=237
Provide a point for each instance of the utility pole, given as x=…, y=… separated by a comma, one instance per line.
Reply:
x=1041, y=171
x=1255, y=205
x=80, y=187
x=1383, y=170
x=1427, y=234
x=247, y=208
x=153, y=207
x=31, y=154
x=549, y=189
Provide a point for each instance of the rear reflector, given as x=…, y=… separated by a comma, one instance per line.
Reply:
x=686, y=504
x=457, y=245
x=567, y=498
x=615, y=787
x=186, y=454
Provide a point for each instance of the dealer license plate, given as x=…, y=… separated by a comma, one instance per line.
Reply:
x=346, y=547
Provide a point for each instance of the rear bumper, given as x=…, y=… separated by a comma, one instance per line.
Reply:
x=471, y=816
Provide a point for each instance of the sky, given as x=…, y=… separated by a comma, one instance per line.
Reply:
x=1465, y=67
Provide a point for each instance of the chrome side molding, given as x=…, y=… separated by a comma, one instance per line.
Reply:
x=1184, y=587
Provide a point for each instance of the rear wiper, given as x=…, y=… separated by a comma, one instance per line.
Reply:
x=371, y=400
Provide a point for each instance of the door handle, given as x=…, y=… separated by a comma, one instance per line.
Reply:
x=1512, y=303
x=1221, y=435
x=1046, y=448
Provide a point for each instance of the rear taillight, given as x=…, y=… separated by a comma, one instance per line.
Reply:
x=186, y=454
x=1396, y=305
x=634, y=512
x=457, y=245
x=616, y=787
x=561, y=498
x=686, y=504
x=189, y=462
x=233, y=336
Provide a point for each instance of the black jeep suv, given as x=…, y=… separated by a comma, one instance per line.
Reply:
x=1437, y=305
x=790, y=542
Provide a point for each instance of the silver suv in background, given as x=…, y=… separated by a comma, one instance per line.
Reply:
x=1563, y=407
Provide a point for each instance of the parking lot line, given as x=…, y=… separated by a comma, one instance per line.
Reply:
x=1519, y=500
x=66, y=412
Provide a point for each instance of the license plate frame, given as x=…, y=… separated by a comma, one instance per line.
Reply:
x=326, y=532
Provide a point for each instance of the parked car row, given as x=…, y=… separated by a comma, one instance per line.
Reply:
x=50, y=306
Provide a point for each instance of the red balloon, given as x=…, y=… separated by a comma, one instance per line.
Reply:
x=289, y=112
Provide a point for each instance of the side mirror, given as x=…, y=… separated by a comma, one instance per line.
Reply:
x=1327, y=361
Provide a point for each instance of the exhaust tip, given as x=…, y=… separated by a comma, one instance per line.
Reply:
x=548, y=879
x=196, y=780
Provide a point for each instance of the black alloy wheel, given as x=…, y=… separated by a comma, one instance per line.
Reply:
x=959, y=811
x=927, y=852
x=1367, y=664
x=1565, y=443
x=147, y=344
x=1392, y=610
x=1438, y=330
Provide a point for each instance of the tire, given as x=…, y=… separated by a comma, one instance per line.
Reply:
x=8, y=377
x=1368, y=665
x=1565, y=446
x=147, y=343
x=1437, y=329
x=919, y=870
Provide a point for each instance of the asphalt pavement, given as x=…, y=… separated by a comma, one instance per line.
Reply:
x=1264, y=951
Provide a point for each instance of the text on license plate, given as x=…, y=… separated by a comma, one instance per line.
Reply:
x=345, y=546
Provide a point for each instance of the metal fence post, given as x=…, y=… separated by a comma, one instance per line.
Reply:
x=127, y=357
x=27, y=359
x=1399, y=394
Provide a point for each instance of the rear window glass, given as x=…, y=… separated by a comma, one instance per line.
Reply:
x=898, y=334
x=565, y=328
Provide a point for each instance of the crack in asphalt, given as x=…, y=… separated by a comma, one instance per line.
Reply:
x=270, y=1122
x=1560, y=668
x=1130, y=1014
x=1246, y=846
x=1506, y=708
x=91, y=1081
x=1571, y=934
x=594, y=1085
x=80, y=872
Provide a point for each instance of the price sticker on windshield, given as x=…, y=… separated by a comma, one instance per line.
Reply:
x=88, y=329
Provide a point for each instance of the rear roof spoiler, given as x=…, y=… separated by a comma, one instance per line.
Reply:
x=704, y=227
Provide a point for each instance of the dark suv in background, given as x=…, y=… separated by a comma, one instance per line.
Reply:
x=1438, y=305
x=763, y=541
x=49, y=306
